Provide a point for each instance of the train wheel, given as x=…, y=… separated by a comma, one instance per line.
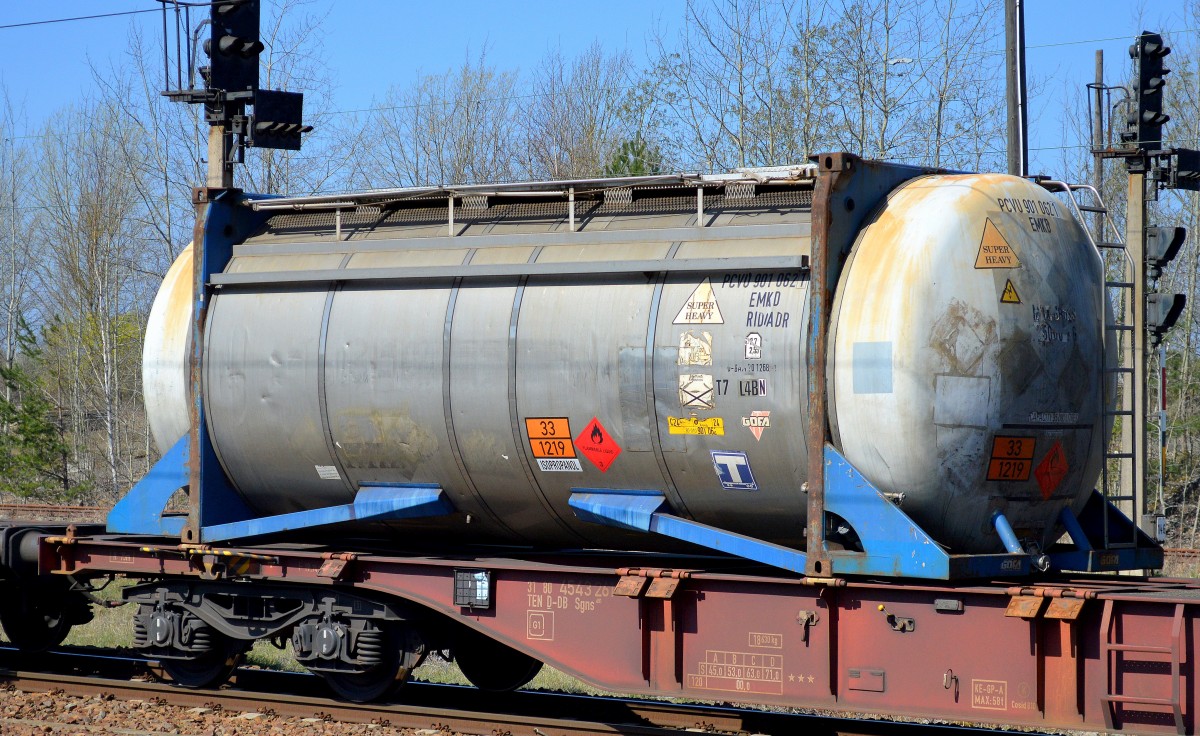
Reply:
x=41, y=616
x=210, y=668
x=492, y=666
x=401, y=650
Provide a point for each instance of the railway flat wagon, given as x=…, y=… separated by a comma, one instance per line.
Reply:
x=827, y=436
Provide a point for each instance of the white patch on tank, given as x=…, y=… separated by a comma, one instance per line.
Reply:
x=961, y=401
x=327, y=472
x=872, y=367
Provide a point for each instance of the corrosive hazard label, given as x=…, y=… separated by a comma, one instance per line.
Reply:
x=701, y=307
x=994, y=250
x=597, y=445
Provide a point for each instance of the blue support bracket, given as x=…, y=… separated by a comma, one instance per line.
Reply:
x=894, y=545
x=1087, y=532
x=373, y=502
x=644, y=511
x=141, y=510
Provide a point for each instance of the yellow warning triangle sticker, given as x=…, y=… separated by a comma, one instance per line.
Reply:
x=701, y=307
x=1009, y=295
x=994, y=250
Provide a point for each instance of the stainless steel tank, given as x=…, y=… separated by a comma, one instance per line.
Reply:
x=965, y=364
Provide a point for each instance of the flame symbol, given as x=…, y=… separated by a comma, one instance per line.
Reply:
x=597, y=435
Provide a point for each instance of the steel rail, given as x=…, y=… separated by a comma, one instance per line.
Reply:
x=453, y=708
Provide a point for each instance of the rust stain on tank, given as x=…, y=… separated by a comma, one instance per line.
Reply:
x=962, y=336
x=177, y=317
x=373, y=439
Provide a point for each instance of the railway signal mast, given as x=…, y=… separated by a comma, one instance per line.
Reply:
x=231, y=86
x=1149, y=313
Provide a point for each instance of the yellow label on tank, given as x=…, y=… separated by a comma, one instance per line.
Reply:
x=696, y=425
x=994, y=250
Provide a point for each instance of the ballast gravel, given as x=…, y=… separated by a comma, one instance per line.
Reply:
x=35, y=714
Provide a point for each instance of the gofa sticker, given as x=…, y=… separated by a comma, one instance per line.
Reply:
x=754, y=346
x=733, y=470
x=597, y=445
x=757, y=422
x=695, y=349
x=701, y=307
x=696, y=391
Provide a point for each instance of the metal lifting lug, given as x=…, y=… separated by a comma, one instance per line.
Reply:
x=950, y=681
x=807, y=619
x=335, y=564
x=661, y=583
x=903, y=624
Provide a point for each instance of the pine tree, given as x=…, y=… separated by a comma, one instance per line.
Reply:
x=32, y=451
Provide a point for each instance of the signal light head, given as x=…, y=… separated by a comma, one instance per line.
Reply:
x=231, y=45
x=1162, y=311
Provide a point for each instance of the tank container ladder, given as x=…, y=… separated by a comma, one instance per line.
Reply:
x=1112, y=651
x=1120, y=329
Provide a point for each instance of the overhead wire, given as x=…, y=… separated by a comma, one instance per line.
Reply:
x=78, y=17
x=507, y=98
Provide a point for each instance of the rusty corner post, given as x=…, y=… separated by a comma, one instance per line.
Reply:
x=191, y=530
x=833, y=170
x=219, y=177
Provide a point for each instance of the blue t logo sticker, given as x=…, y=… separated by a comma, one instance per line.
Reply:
x=733, y=470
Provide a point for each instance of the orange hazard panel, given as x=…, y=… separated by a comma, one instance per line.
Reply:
x=1012, y=458
x=549, y=437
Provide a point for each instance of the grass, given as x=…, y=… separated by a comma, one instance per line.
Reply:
x=112, y=628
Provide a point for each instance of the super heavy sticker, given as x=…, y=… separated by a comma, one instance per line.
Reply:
x=701, y=307
x=994, y=250
x=597, y=445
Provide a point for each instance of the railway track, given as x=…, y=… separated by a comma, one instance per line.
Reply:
x=51, y=512
x=422, y=706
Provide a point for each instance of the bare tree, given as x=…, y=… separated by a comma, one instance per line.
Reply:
x=15, y=219
x=722, y=83
x=574, y=116
x=451, y=128
x=293, y=61
x=86, y=196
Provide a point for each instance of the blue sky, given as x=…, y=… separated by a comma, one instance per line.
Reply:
x=374, y=43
